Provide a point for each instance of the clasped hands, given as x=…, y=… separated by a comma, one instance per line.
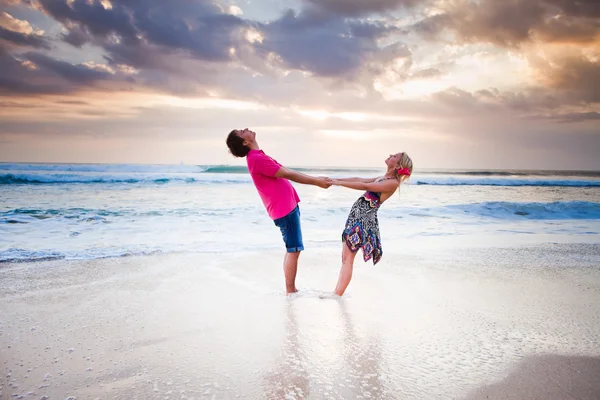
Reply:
x=325, y=182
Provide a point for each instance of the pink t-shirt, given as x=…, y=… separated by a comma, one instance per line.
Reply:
x=278, y=194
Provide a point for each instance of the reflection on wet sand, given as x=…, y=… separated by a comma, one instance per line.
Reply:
x=361, y=373
x=307, y=369
x=289, y=378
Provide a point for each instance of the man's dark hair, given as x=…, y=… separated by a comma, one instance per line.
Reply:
x=236, y=145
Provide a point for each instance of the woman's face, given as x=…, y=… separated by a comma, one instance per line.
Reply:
x=393, y=160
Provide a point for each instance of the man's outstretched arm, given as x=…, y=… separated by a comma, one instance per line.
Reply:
x=299, y=177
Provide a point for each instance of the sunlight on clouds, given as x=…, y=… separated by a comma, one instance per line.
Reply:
x=322, y=115
x=29, y=65
x=385, y=135
x=235, y=10
x=469, y=71
x=551, y=61
x=252, y=35
x=98, y=105
x=99, y=67
x=413, y=89
x=356, y=136
x=127, y=69
x=90, y=106
x=16, y=25
x=106, y=4
x=205, y=103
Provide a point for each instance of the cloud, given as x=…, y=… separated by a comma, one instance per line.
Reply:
x=371, y=29
x=558, y=40
x=93, y=16
x=79, y=74
x=356, y=8
x=572, y=117
x=22, y=39
x=143, y=33
x=16, y=32
x=343, y=48
x=16, y=25
x=573, y=73
x=480, y=141
x=198, y=27
x=427, y=73
x=7, y=3
x=197, y=47
x=511, y=23
x=37, y=73
x=76, y=36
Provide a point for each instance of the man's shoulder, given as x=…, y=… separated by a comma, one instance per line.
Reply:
x=258, y=155
x=253, y=158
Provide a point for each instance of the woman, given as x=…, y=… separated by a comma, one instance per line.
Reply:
x=362, y=226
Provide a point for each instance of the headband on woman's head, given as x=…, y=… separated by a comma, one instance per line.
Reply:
x=403, y=171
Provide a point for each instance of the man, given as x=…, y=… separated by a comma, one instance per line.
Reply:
x=271, y=179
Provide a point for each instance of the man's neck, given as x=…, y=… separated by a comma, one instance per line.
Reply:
x=254, y=146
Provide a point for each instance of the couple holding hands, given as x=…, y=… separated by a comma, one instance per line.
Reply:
x=361, y=231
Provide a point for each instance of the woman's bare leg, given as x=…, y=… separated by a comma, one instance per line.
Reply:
x=346, y=271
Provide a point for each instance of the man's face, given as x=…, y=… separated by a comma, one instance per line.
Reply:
x=246, y=134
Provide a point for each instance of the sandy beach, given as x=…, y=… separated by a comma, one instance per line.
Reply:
x=476, y=323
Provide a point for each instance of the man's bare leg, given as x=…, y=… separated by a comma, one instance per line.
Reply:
x=346, y=271
x=290, y=266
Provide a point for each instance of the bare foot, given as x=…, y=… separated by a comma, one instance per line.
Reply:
x=292, y=291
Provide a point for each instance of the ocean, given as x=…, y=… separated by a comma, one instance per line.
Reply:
x=89, y=211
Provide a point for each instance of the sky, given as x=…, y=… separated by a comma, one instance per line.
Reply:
x=487, y=84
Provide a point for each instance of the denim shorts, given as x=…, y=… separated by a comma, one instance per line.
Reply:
x=291, y=231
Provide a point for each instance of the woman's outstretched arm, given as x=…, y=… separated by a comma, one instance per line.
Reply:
x=362, y=180
x=388, y=185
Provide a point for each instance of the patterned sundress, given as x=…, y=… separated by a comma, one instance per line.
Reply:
x=362, y=226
